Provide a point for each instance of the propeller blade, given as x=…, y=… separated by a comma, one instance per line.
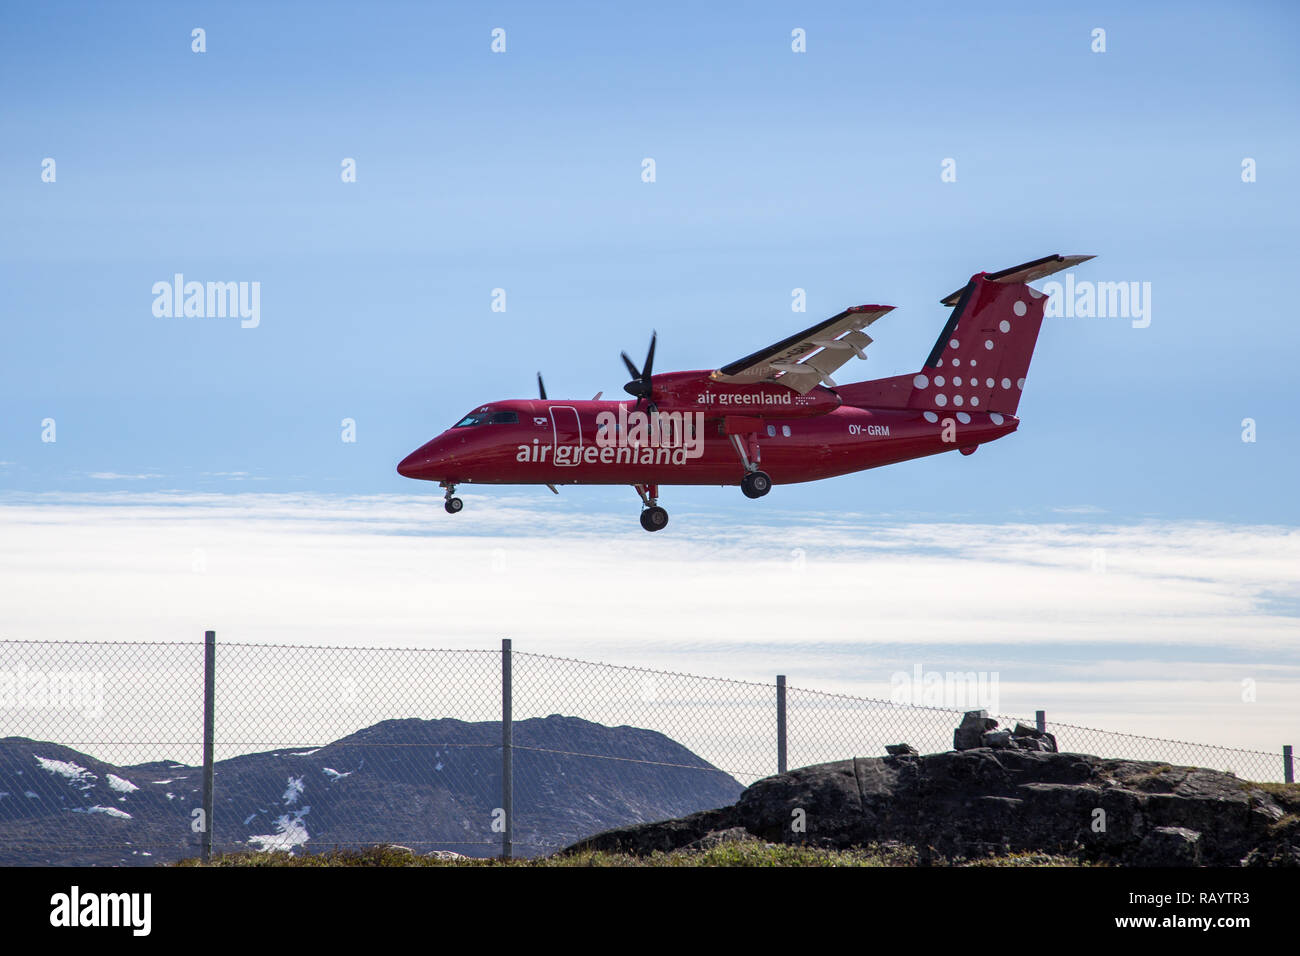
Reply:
x=650, y=358
x=635, y=372
x=541, y=386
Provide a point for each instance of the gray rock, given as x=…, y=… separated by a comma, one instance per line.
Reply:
x=998, y=739
x=969, y=732
x=1025, y=730
x=1170, y=846
x=901, y=750
x=1025, y=737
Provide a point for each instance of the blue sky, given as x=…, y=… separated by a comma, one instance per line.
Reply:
x=521, y=171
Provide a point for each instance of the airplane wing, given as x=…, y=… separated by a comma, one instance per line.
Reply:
x=807, y=358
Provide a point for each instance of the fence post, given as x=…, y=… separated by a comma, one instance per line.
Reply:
x=209, y=712
x=507, y=751
x=780, y=723
x=1288, y=767
x=1040, y=718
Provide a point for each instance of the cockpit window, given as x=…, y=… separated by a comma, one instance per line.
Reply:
x=488, y=418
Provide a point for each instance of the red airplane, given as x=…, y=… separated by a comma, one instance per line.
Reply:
x=773, y=417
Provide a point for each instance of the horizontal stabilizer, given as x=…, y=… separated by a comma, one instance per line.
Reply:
x=1026, y=272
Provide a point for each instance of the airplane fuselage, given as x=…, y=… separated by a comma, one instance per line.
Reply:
x=558, y=442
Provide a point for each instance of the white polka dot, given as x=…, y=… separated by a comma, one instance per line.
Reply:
x=941, y=400
x=1020, y=383
x=938, y=363
x=996, y=418
x=930, y=416
x=1035, y=293
x=972, y=363
x=1019, y=309
x=954, y=344
x=938, y=380
x=974, y=400
x=956, y=361
x=921, y=381
x=957, y=380
x=1004, y=326
x=1006, y=383
x=963, y=418
x=988, y=383
x=988, y=343
x=956, y=399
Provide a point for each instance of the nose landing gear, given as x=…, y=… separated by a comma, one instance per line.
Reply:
x=653, y=518
x=452, y=504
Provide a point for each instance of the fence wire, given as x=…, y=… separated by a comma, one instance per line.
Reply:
x=101, y=748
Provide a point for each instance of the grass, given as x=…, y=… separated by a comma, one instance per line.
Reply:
x=746, y=854
x=1286, y=794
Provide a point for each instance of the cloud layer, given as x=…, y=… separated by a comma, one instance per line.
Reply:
x=1150, y=628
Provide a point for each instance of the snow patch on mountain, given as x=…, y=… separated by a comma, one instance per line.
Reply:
x=121, y=784
x=290, y=832
x=108, y=811
x=78, y=776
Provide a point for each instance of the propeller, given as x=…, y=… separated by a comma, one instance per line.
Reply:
x=640, y=387
x=541, y=386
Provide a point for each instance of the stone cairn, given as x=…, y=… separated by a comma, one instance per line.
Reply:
x=978, y=729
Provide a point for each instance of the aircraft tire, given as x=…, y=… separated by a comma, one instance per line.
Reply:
x=654, y=519
x=756, y=484
x=453, y=505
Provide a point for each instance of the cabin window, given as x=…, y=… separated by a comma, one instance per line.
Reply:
x=771, y=431
x=505, y=418
x=475, y=418
x=785, y=430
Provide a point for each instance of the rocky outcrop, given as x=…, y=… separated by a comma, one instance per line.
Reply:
x=988, y=800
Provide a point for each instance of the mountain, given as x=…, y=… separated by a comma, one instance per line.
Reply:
x=426, y=784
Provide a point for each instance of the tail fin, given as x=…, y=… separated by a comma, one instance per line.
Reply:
x=981, y=357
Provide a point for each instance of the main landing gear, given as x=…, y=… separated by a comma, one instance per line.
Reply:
x=452, y=504
x=756, y=483
x=653, y=518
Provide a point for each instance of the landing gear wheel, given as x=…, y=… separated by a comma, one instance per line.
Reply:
x=654, y=519
x=756, y=484
x=453, y=505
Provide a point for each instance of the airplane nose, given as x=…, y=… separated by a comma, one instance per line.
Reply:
x=426, y=462
x=409, y=465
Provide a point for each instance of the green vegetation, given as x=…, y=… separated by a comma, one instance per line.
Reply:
x=727, y=854
x=1286, y=794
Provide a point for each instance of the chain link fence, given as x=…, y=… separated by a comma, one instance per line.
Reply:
x=102, y=748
